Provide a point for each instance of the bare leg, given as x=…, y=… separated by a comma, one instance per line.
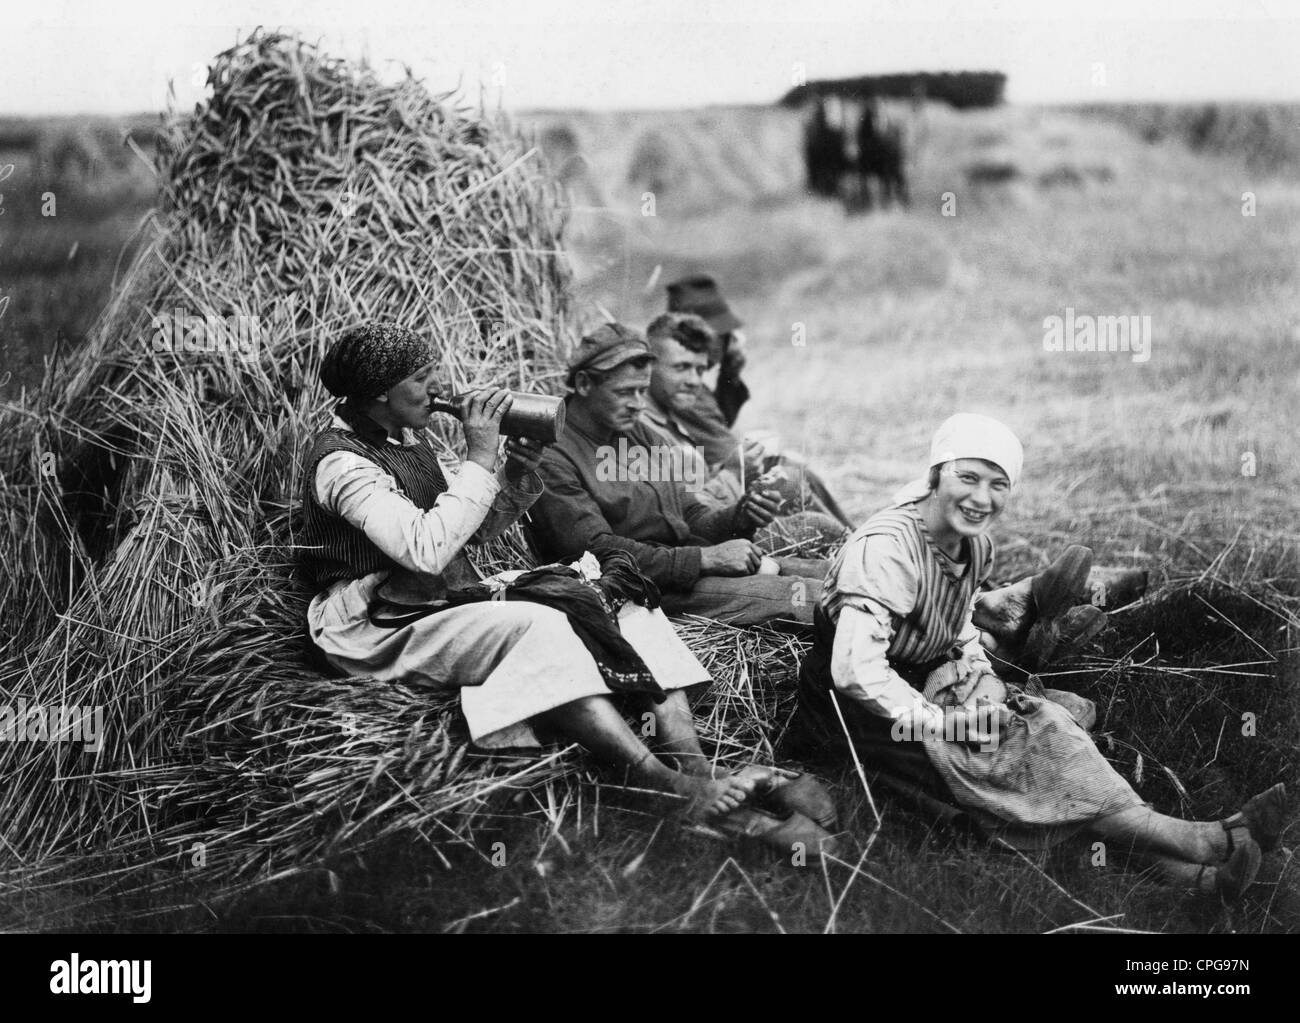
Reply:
x=1141, y=830
x=596, y=723
x=676, y=736
x=1253, y=829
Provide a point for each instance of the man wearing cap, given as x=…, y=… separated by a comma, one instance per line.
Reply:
x=383, y=541
x=612, y=481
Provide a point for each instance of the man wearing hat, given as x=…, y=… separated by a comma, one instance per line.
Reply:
x=699, y=295
x=612, y=481
x=808, y=515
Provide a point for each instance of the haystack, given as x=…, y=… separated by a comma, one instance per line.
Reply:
x=151, y=489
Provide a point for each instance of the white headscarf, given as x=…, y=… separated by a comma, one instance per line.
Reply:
x=968, y=435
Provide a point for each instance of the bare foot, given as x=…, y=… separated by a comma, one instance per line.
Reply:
x=711, y=797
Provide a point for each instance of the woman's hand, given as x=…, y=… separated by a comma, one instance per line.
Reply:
x=984, y=723
x=482, y=424
x=523, y=455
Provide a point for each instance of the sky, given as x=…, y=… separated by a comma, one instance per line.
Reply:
x=74, y=56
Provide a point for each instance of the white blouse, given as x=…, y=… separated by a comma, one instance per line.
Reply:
x=477, y=505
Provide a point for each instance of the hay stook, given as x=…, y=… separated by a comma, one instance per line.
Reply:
x=306, y=195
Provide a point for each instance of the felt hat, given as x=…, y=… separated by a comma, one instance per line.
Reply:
x=699, y=294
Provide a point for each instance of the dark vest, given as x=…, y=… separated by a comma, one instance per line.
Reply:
x=338, y=549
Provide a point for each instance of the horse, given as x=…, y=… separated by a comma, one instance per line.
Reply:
x=824, y=157
x=880, y=155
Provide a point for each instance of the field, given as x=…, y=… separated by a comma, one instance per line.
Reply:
x=865, y=331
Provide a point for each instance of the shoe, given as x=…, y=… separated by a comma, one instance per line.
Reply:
x=1053, y=637
x=1063, y=584
x=1237, y=873
x=1264, y=816
x=1052, y=592
x=803, y=794
x=790, y=836
x=799, y=834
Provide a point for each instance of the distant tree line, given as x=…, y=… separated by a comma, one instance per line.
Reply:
x=960, y=89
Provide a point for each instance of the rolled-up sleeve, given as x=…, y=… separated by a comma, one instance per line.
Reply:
x=860, y=667
x=363, y=494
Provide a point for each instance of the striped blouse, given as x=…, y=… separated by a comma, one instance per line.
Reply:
x=908, y=604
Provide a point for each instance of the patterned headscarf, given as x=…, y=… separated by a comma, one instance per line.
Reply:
x=368, y=360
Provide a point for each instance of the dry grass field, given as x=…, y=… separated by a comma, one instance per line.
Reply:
x=865, y=331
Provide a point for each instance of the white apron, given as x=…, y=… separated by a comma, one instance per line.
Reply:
x=511, y=660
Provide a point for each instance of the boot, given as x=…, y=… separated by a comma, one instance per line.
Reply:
x=1063, y=584
x=1009, y=616
x=1052, y=638
x=803, y=794
x=1234, y=875
x=1264, y=816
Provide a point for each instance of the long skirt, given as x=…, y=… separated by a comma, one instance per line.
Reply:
x=511, y=660
x=1043, y=781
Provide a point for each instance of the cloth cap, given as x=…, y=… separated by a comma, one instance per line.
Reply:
x=368, y=360
x=609, y=346
x=969, y=435
x=700, y=295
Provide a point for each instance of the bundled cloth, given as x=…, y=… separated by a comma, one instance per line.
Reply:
x=591, y=603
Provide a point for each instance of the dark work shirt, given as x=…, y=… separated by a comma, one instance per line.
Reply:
x=705, y=426
x=730, y=395
x=658, y=521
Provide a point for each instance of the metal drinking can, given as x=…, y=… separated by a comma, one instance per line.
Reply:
x=536, y=416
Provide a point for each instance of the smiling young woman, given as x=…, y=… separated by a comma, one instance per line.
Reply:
x=898, y=668
x=966, y=495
